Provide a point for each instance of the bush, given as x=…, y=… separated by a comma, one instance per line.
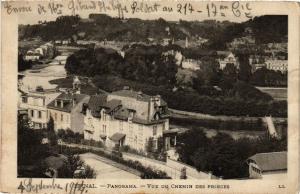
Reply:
x=69, y=136
x=92, y=143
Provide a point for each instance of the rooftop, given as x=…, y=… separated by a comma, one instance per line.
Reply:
x=95, y=103
x=68, y=99
x=270, y=161
x=132, y=94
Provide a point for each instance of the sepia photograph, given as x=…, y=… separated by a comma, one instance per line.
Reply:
x=107, y=97
x=113, y=90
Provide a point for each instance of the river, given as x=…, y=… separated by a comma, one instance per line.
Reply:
x=40, y=75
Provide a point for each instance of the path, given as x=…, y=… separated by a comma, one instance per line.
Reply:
x=107, y=169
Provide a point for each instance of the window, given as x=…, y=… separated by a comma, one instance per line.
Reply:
x=154, y=130
x=104, y=129
x=61, y=117
x=32, y=113
x=121, y=125
x=155, y=144
x=24, y=99
x=39, y=114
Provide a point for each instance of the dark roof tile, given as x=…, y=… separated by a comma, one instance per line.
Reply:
x=68, y=101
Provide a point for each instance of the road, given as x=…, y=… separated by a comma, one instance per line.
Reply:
x=107, y=169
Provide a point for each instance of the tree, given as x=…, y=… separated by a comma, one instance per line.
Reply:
x=244, y=68
x=209, y=69
x=23, y=64
x=51, y=133
x=189, y=142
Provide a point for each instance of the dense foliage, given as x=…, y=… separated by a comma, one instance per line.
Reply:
x=141, y=63
x=34, y=148
x=266, y=29
x=237, y=104
x=269, y=28
x=265, y=77
x=23, y=64
x=222, y=155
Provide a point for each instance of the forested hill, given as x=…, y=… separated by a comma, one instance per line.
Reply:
x=99, y=27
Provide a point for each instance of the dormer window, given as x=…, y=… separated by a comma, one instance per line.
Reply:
x=58, y=103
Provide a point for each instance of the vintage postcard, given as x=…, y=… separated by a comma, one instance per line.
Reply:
x=136, y=96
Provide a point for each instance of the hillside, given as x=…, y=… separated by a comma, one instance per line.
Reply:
x=100, y=27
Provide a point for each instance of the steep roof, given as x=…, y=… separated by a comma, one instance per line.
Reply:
x=68, y=98
x=95, y=102
x=122, y=114
x=270, y=161
x=112, y=104
x=132, y=94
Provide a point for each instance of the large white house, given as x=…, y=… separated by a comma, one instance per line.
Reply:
x=35, y=102
x=125, y=117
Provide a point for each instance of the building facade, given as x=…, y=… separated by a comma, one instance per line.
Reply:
x=65, y=111
x=35, y=102
x=126, y=117
x=277, y=65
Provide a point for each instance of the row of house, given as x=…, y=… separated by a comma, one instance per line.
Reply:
x=120, y=118
x=124, y=117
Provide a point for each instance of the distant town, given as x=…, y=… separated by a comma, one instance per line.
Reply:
x=105, y=97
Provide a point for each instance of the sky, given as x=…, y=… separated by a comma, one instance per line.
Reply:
x=141, y=9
